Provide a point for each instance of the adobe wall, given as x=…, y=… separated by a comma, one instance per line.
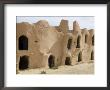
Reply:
x=45, y=40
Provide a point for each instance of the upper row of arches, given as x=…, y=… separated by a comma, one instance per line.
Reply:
x=23, y=42
x=69, y=44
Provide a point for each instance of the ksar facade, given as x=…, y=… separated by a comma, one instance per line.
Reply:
x=40, y=45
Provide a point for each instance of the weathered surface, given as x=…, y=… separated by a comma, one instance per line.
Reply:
x=84, y=68
x=37, y=42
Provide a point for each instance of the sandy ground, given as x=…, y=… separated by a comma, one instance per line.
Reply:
x=84, y=68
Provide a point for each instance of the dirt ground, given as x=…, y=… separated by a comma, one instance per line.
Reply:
x=84, y=68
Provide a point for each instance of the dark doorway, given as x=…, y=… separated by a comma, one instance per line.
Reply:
x=69, y=43
x=23, y=64
x=93, y=40
x=23, y=43
x=80, y=57
x=67, y=61
x=51, y=61
x=92, y=55
x=78, y=42
x=86, y=37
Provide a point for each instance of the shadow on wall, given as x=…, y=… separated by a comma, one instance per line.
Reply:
x=23, y=43
x=67, y=61
x=79, y=57
x=51, y=61
x=78, y=41
x=23, y=63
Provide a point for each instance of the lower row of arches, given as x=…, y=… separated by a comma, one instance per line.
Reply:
x=24, y=61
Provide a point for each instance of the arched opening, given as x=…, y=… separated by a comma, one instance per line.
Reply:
x=51, y=62
x=23, y=63
x=78, y=42
x=23, y=43
x=93, y=40
x=69, y=44
x=79, y=57
x=86, y=38
x=67, y=61
x=92, y=55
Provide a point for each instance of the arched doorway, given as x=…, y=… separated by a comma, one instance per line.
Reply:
x=23, y=43
x=67, y=61
x=92, y=55
x=93, y=40
x=51, y=61
x=78, y=42
x=86, y=38
x=79, y=57
x=69, y=43
x=23, y=63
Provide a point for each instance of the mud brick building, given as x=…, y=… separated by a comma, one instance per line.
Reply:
x=41, y=45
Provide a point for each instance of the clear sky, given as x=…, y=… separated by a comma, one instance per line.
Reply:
x=84, y=21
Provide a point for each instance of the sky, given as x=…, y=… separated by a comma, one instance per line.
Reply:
x=84, y=21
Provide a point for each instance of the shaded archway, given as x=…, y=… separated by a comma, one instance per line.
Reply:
x=79, y=57
x=92, y=55
x=69, y=43
x=51, y=61
x=23, y=43
x=86, y=38
x=93, y=40
x=23, y=63
x=78, y=42
x=67, y=61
